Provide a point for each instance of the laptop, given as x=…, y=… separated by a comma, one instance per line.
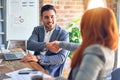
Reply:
x=13, y=55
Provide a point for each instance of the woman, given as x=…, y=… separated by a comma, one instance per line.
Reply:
x=94, y=58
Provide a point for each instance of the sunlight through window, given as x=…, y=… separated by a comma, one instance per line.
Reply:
x=96, y=3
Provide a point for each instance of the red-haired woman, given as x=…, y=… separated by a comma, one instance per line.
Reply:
x=94, y=58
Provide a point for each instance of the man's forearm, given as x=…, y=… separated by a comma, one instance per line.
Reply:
x=54, y=59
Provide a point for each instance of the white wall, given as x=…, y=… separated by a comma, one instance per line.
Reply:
x=22, y=17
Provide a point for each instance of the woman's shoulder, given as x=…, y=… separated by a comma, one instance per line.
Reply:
x=98, y=50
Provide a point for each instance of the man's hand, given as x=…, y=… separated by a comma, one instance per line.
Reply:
x=53, y=46
x=29, y=58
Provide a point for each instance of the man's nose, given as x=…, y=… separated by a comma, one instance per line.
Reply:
x=50, y=19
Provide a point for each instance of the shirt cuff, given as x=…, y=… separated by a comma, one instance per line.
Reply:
x=43, y=60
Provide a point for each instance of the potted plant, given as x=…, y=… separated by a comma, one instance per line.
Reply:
x=74, y=33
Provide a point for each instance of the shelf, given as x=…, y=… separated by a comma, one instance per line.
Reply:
x=1, y=20
x=1, y=6
x=1, y=33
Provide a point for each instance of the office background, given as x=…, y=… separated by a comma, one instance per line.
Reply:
x=67, y=11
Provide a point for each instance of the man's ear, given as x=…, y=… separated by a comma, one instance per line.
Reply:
x=41, y=20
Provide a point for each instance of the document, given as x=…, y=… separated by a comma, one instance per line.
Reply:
x=16, y=76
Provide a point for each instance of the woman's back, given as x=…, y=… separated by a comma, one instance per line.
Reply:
x=97, y=64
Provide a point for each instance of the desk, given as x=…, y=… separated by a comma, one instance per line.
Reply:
x=9, y=66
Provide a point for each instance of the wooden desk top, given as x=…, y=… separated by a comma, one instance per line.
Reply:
x=8, y=66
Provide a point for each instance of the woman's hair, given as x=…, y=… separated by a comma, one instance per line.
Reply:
x=98, y=26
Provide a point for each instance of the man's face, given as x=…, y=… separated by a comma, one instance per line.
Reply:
x=49, y=19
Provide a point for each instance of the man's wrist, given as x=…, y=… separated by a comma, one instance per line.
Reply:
x=38, y=57
x=47, y=45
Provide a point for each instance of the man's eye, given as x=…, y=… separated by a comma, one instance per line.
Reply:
x=46, y=17
x=52, y=16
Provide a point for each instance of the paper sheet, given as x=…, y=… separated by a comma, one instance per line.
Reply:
x=15, y=76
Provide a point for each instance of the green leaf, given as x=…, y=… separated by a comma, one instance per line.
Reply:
x=77, y=20
x=69, y=26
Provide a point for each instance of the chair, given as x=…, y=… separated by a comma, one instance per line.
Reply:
x=116, y=74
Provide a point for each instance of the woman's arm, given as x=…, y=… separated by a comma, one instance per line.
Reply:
x=68, y=45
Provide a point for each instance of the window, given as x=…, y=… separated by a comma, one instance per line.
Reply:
x=96, y=3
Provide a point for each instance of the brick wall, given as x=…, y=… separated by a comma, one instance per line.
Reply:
x=67, y=10
x=113, y=5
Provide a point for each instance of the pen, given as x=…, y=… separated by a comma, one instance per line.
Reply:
x=27, y=71
x=33, y=71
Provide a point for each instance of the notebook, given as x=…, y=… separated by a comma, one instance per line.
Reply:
x=14, y=55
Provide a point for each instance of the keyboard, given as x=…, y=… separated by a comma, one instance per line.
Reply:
x=14, y=55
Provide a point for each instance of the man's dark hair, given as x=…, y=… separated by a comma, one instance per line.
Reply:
x=47, y=7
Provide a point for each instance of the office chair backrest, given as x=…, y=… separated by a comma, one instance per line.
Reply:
x=116, y=74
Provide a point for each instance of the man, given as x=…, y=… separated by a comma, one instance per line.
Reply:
x=40, y=40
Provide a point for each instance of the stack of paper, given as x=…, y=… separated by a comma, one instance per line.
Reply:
x=16, y=76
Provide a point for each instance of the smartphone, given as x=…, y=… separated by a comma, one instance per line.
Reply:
x=24, y=72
